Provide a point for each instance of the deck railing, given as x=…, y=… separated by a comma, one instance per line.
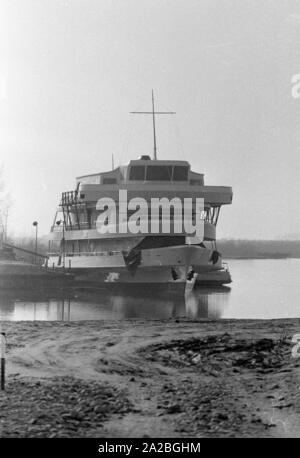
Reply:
x=86, y=253
x=73, y=227
x=69, y=198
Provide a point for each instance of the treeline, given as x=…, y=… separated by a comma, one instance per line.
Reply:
x=229, y=248
x=259, y=248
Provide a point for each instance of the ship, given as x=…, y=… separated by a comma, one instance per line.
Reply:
x=116, y=257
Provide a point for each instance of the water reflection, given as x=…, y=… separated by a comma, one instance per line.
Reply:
x=103, y=305
x=207, y=303
x=262, y=289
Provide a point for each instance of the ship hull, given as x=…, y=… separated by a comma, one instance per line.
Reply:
x=160, y=266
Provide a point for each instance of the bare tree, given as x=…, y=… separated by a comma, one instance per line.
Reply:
x=5, y=203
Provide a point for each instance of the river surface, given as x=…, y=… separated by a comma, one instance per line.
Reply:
x=261, y=289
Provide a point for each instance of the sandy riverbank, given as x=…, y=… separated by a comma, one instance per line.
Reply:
x=151, y=378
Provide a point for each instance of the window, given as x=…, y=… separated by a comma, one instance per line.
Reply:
x=109, y=180
x=180, y=173
x=137, y=172
x=159, y=173
x=196, y=182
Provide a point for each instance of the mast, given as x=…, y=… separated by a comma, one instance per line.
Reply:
x=153, y=113
x=154, y=132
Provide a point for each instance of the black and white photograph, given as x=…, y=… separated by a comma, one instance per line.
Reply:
x=149, y=223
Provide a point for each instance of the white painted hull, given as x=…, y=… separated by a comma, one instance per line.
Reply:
x=168, y=265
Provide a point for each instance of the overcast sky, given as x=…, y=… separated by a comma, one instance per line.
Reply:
x=71, y=71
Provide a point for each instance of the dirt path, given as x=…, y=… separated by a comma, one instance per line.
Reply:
x=180, y=379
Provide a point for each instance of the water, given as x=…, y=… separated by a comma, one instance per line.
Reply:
x=261, y=289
